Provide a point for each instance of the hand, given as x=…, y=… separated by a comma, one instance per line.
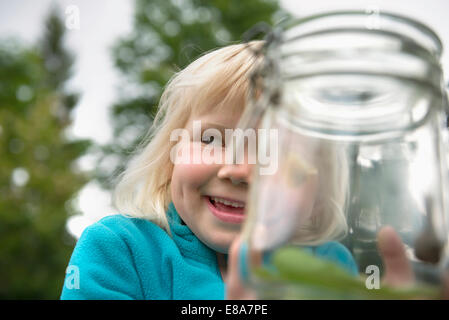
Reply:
x=234, y=287
x=398, y=270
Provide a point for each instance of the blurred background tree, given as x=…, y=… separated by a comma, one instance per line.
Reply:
x=38, y=175
x=168, y=35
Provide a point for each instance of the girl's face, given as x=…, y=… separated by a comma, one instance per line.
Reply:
x=210, y=196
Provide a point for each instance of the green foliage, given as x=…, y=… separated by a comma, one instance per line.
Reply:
x=37, y=176
x=305, y=276
x=167, y=36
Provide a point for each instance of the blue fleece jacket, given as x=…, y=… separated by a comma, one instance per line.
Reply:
x=130, y=258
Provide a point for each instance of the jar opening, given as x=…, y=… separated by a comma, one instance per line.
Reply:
x=341, y=75
x=386, y=22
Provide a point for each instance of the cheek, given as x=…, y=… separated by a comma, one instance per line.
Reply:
x=187, y=185
x=191, y=175
x=189, y=169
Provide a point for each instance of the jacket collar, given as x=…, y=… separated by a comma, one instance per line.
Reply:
x=190, y=246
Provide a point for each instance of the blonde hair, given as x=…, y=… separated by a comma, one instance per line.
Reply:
x=208, y=84
x=328, y=221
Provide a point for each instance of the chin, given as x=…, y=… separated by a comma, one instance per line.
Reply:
x=220, y=245
x=222, y=249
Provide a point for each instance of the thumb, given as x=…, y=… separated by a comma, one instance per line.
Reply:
x=446, y=286
x=398, y=270
x=234, y=286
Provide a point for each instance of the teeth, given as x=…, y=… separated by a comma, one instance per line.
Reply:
x=228, y=203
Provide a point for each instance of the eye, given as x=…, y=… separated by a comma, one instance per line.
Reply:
x=212, y=137
x=207, y=140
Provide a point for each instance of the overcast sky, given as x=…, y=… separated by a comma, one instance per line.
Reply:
x=102, y=21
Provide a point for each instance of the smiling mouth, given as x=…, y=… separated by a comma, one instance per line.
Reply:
x=226, y=210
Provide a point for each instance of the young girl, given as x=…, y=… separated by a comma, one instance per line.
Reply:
x=178, y=219
x=167, y=244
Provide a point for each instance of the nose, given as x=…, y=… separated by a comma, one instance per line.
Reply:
x=239, y=170
x=236, y=173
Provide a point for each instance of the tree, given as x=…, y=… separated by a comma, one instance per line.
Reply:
x=168, y=35
x=38, y=176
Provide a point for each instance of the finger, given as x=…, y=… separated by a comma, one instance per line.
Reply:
x=446, y=286
x=232, y=273
x=398, y=270
x=235, y=289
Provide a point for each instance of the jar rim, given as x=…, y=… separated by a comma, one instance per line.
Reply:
x=430, y=35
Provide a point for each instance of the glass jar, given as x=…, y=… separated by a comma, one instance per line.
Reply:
x=357, y=102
